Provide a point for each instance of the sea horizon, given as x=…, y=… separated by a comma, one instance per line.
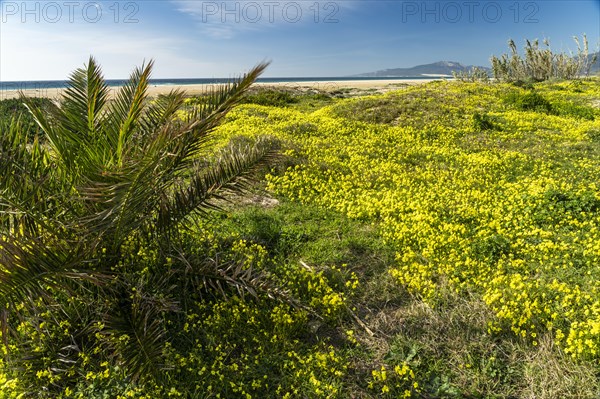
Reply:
x=61, y=84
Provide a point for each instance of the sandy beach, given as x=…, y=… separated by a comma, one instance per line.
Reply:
x=328, y=86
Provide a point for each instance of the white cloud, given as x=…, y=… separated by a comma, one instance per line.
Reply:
x=227, y=19
x=52, y=51
x=40, y=50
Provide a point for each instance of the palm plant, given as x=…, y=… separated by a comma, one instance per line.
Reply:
x=116, y=178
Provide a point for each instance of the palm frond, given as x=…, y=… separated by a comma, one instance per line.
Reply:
x=204, y=118
x=160, y=112
x=83, y=101
x=124, y=200
x=47, y=119
x=230, y=172
x=127, y=197
x=139, y=320
x=125, y=111
x=234, y=277
x=74, y=128
x=25, y=171
x=30, y=266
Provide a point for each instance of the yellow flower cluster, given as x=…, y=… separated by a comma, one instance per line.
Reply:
x=8, y=385
x=479, y=188
x=252, y=347
x=401, y=383
x=235, y=344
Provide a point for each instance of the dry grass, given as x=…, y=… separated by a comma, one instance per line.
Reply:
x=450, y=348
x=549, y=374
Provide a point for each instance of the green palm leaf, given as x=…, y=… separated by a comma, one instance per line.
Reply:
x=228, y=173
x=29, y=267
x=25, y=199
x=121, y=170
x=125, y=111
x=127, y=197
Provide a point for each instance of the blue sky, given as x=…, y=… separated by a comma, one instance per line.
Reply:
x=45, y=40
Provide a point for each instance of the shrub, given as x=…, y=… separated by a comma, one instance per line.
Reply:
x=528, y=101
x=482, y=122
x=569, y=108
x=475, y=74
x=271, y=97
x=541, y=64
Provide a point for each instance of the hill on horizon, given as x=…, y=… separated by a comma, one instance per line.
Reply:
x=440, y=68
x=445, y=69
x=595, y=67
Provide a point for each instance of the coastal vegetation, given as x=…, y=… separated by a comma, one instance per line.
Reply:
x=439, y=240
x=14, y=109
x=541, y=63
x=537, y=64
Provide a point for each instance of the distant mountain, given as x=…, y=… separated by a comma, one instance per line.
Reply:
x=595, y=68
x=441, y=68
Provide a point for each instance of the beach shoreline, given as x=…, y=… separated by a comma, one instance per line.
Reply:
x=196, y=89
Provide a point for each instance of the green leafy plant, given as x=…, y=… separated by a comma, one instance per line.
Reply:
x=91, y=221
x=271, y=97
x=482, y=121
x=529, y=101
x=14, y=108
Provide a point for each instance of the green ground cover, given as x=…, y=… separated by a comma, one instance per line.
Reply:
x=441, y=240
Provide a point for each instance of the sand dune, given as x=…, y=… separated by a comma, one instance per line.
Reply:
x=328, y=86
